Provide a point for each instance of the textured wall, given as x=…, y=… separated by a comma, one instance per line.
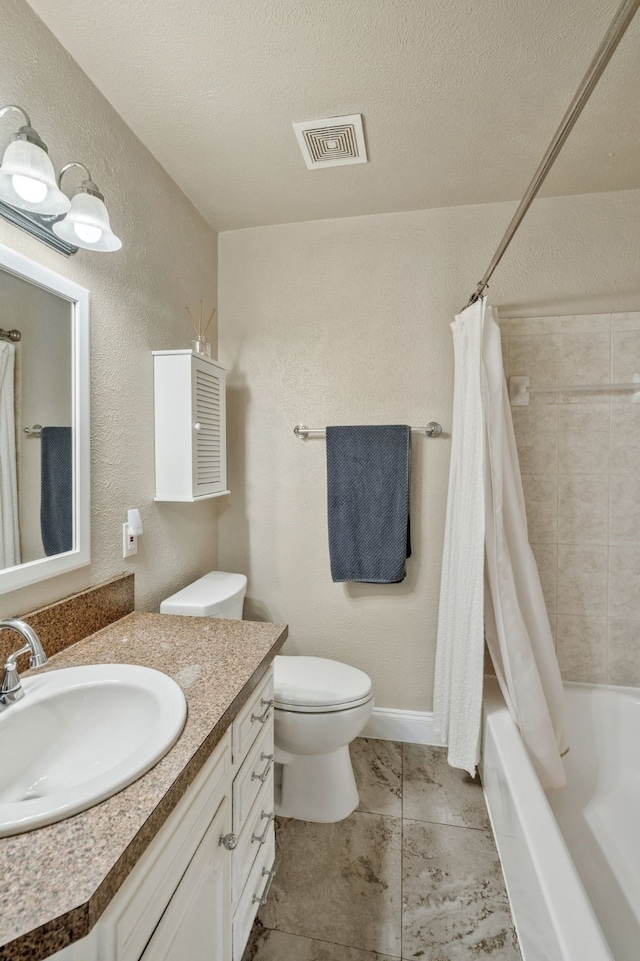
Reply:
x=348, y=322
x=579, y=456
x=168, y=259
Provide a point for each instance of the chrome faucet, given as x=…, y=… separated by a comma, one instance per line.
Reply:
x=10, y=687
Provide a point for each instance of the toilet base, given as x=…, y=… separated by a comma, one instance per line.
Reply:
x=320, y=787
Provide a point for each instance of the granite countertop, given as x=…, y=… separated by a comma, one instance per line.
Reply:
x=56, y=881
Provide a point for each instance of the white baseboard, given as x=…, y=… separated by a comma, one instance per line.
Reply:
x=389, y=724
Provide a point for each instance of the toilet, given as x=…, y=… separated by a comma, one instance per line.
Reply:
x=320, y=706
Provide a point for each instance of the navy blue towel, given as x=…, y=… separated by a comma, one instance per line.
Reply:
x=368, y=502
x=56, y=490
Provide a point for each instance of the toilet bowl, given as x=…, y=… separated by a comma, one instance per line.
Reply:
x=320, y=706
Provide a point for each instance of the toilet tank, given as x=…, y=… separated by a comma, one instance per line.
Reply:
x=217, y=594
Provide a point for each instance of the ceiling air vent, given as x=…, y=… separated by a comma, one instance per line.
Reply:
x=332, y=142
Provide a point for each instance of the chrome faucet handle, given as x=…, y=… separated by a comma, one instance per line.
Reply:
x=10, y=686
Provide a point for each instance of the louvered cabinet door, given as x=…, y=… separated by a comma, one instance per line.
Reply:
x=209, y=463
x=190, y=426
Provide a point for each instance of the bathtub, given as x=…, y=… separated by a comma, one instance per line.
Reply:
x=571, y=857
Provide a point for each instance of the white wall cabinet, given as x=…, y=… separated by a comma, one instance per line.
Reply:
x=190, y=426
x=192, y=897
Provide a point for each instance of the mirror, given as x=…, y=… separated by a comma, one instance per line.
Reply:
x=44, y=423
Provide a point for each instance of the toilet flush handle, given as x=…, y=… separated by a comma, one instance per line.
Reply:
x=262, y=717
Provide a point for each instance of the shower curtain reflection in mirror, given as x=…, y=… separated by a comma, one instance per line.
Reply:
x=37, y=400
x=9, y=527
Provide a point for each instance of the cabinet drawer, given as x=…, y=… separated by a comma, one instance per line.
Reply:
x=252, y=719
x=256, y=770
x=254, y=835
x=256, y=888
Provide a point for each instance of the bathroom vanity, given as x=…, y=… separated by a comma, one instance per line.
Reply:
x=176, y=865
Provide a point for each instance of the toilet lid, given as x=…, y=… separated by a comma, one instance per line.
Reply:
x=207, y=596
x=310, y=684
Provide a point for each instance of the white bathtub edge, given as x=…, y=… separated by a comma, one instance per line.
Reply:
x=570, y=927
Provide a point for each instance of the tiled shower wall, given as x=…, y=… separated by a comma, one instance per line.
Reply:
x=580, y=462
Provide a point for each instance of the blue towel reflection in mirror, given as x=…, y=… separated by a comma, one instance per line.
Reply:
x=56, y=492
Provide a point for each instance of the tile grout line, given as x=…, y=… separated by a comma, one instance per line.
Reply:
x=337, y=944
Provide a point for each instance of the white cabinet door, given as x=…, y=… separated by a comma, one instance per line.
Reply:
x=196, y=925
x=209, y=426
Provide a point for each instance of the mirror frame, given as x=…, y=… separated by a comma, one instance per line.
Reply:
x=13, y=578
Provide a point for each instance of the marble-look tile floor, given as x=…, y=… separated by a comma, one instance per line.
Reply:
x=412, y=874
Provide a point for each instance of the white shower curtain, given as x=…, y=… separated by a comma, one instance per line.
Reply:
x=460, y=650
x=514, y=618
x=9, y=530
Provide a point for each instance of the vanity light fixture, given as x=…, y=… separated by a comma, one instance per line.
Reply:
x=87, y=223
x=27, y=177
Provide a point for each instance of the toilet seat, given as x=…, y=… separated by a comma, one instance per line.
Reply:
x=317, y=685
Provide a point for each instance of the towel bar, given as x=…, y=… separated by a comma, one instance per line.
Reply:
x=432, y=429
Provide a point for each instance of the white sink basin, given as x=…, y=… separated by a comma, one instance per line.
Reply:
x=78, y=736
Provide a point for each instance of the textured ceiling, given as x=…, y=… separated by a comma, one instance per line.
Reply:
x=460, y=97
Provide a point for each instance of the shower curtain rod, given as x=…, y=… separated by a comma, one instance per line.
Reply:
x=613, y=36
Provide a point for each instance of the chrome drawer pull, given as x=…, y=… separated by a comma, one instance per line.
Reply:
x=229, y=841
x=262, y=898
x=261, y=838
x=265, y=774
x=262, y=717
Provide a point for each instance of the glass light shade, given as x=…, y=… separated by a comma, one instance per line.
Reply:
x=88, y=218
x=29, y=189
x=25, y=171
x=86, y=232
